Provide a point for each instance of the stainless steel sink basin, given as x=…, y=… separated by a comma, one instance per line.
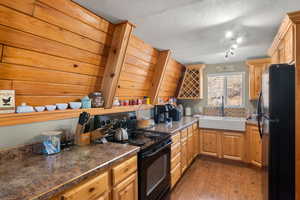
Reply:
x=224, y=123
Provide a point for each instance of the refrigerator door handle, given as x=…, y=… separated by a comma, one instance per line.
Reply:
x=259, y=114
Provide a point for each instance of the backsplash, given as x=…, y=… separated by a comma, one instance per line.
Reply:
x=229, y=112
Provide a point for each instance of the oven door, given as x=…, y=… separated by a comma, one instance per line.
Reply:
x=154, y=173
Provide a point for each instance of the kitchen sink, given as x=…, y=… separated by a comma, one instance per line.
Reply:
x=224, y=123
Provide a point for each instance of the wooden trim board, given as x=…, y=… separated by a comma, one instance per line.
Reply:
x=159, y=73
x=115, y=61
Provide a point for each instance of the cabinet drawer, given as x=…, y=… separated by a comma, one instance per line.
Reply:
x=175, y=161
x=123, y=170
x=175, y=175
x=175, y=150
x=176, y=138
x=195, y=126
x=89, y=190
x=183, y=134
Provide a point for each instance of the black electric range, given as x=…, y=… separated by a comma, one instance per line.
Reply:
x=153, y=163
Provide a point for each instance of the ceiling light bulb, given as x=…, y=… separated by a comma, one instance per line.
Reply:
x=229, y=34
x=234, y=46
x=239, y=40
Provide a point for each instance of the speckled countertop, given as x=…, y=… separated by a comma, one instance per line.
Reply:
x=176, y=126
x=42, y=177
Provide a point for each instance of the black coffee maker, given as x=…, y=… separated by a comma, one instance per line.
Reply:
x=161, y=114
x=174, y=112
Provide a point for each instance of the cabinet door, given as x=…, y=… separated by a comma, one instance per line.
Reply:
x=233, y=145
x=190, y=147
x=209, y=142
x=289, y=45
x=196, y=142
x=183, y=155
x=255, y=147
x=255, y=73
x=126, y=190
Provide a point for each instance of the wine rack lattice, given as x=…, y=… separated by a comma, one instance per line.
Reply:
x=192, y=84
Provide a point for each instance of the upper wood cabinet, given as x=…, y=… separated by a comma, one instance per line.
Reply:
x=283, y=47
x=256, y=69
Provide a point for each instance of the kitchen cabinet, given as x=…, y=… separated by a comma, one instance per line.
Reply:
x=184, y=149
x=209, y=140
x=289, y=48
x=175, y=175
x=254, y=146
x=196, y=141
x=184, y=155
x=256, y=69
x=126, y=190
x=119, y=182
x=175, y=159
x=90, y=190
x=190, y=145
x=233, y=145
x=123, y=170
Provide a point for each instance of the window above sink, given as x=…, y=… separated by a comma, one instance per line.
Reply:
x=229, y=85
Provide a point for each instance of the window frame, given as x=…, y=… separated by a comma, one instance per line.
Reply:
x=226, y=74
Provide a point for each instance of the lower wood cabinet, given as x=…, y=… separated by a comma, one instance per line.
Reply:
x=175, y=175
x=126, y=190
x=190, y=146
x=184, y=149
x=209, y=142
x=254, y=145
x=116, y=183
x=90, y=190
x=240, y=146
x=233, y=146
x=184, y=155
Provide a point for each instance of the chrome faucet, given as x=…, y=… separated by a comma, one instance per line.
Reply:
x=222, y=108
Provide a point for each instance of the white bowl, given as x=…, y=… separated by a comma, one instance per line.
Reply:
x=75, y=105
x=50, y=107
x=39, y=108
x=62, y=106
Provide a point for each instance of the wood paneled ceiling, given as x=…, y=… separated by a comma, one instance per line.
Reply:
x=194, y=30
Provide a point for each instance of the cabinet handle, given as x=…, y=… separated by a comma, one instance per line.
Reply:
x=91, y=189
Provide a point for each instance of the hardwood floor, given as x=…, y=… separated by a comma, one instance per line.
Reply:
x=210, y=179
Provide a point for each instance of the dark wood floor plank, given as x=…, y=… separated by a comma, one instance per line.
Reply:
x=210, y=179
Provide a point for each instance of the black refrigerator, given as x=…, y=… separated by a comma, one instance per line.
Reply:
x=276, y=123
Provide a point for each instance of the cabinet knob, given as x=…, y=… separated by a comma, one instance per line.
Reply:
x=91, y=189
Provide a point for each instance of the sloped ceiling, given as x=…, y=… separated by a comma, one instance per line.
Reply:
x=195, y=29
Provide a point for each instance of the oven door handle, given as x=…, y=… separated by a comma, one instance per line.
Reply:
x=157, y=151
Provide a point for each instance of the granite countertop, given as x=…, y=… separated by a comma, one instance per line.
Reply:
x=42, y=177
x=176, y=126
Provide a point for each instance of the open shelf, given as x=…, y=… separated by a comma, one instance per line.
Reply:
x=26, y=118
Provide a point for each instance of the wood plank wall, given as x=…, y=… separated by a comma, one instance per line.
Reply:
x=137, y=72
x=51, y=51
x=172, y=79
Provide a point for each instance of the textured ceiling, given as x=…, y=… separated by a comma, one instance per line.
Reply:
x=195, y=29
